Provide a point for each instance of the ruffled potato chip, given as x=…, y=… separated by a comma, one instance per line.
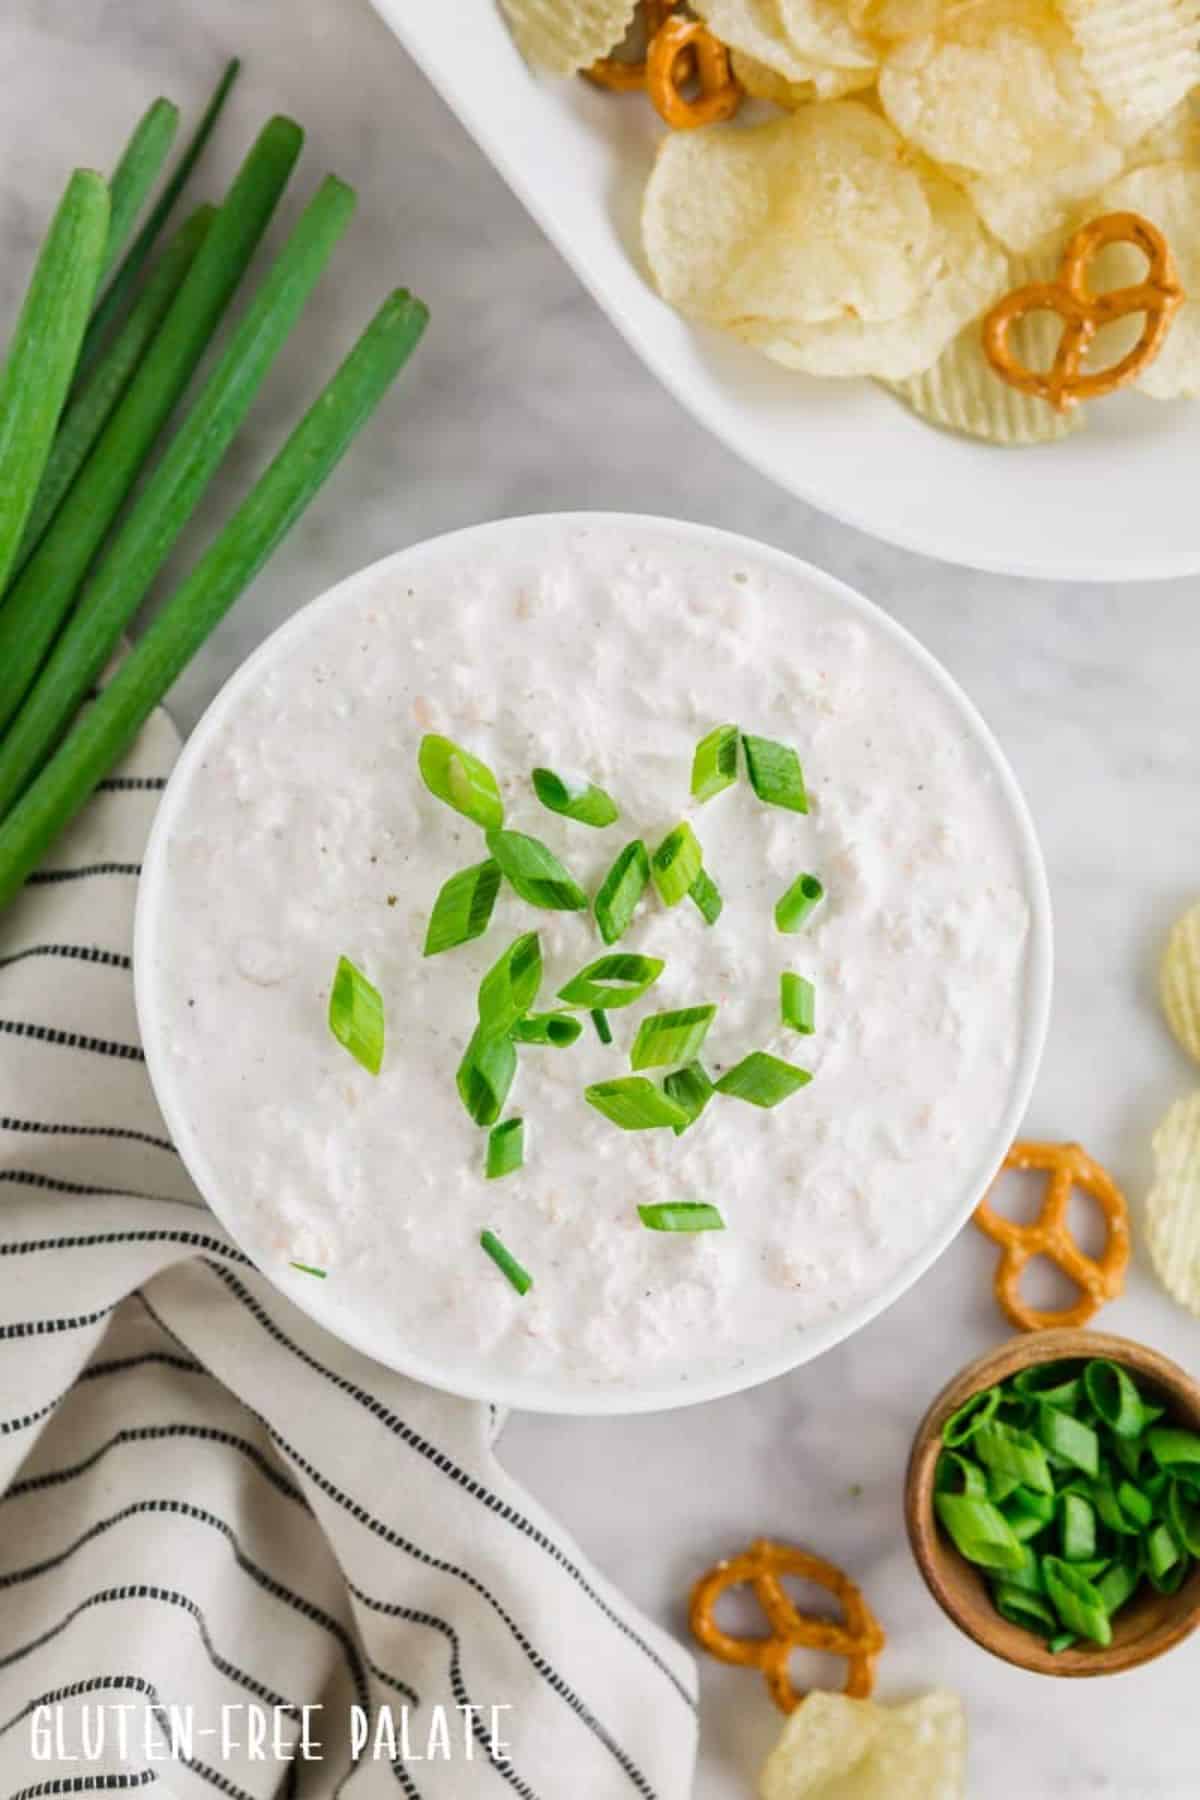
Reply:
x=762, y=83
x=1141, y=56
x=1173, y=1204
x=564, y=36
x=962, y=392
x=1168, y=194
x=834, y=1747
x=756, y=29
x=1174, y=139
x=818, y=217
x=821, y=29
x=1179, y=981
x=963, y=273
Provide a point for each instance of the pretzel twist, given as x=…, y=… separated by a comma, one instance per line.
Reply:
x=1097, y=1278
x=1158, y=295
x=629, y=77
x=859, y=1639
x=720, y=93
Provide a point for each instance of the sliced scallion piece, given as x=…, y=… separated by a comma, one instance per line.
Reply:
x=671, y=1037
x=1020, y=1607
x=705, y=895
x=1183, y=1516
x=792, y=909
x=535, y=872
x=690, y=1088
x=681, y=1215
x=485, y=1076
x=1077, y=1528
x=775, y=773
x=1076, y=1601
x=580, y=800
x=1014, y=1452
x=714, y=766
x=1117, y=1585
x=463, y=908
x=600, y=1020
x=676, y=864
x=453, y=775
x=1068, y=1437
x=556, y=1028
x=798, y=1003
x=506, y=1149
x=510, y=987
x=621, y=890
x=980, y=1531
x=1115, y=1397
x=956, y=1475
x=763, y=1080
x=356, y=1015
x=1048, y=1384
x=970, y=1417
x=635, y=1104
x=307, y=1269
x=1173, y=1448
x=506, y=1262
x=1136, y=1505
x=612, y=981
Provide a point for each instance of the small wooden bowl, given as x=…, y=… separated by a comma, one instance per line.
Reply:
x=1152, y=1622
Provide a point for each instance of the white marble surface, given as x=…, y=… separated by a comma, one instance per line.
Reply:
x=524, y=399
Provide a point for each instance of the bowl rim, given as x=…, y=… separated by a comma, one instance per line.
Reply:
x=742, y=1372
x=1028, y=1652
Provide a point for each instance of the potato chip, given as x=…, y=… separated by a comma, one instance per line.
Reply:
x=889, y=22
x=755, y=28
x=1141, y=56
x=821, y=30
x=1179, y=981
x=835, y=1748
x=1173, y=1205
x=564, y=36
x=762, y=83
x=1168, y=194
x=963, y=273
x=1174, y=139
x=962, y=392
x=820, y=216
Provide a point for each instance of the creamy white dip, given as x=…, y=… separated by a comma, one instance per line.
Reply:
x=303, y=832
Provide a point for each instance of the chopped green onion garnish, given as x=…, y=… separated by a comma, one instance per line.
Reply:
x=1028, y=1513
x=621, y=890
x=980, y=1531
x=579, y=800
x=1077, y=1528
x=307, y=1269
x=600, y=1021
x=714, y=766
x=535, y=872
x=1013, y=1452
x=505, y=1262
x=1069, y=1438
x=506, y=1148
x=1115, y=1398
x=671, y=1037
x=1020, y=1607
x=1174, y=1449
x=681, y=1215
x=798, y=1003
x=509, y=988
x=955, y=1475
x=1062, y=1642
x=706, y=895
x=557, y=1028
x=1183, y=1516
x=775, y=773
x=1117, y=1584
x=356, y=1015
x=634, y=1103
x=794, y=907
x=691, y=1089
x=676, y=864
x=452, y=774
x=485, y=1075
x=1134, y=1504
x=1049, y=1384
x=612, y=981
x=762, y=1079
x=970, y=1417
x=1076, y=1601
x=463, y=908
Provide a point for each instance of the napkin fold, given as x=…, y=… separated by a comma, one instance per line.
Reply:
x=214, y=1514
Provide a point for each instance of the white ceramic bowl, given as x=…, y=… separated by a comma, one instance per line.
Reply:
x=482, y=544
x=1113, y=503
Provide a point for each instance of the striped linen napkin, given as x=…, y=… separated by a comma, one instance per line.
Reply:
x=214, y=1513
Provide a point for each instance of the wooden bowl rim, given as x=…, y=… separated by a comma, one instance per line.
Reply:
x=981, y=1623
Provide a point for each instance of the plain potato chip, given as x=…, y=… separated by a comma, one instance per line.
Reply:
x=564, y=36
x=965, y=274
x=888, y=22
x=1168, y=194
x=1179, y=981
x=1174, y=139
x=755, y=28
x=1141, y=56
x=821, y=30
x=820, y=216
x=762, y=83
x=835, y=1748
x=962, y=392
x=1173, y=1204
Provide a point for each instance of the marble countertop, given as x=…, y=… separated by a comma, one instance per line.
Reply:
x=524, y=399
